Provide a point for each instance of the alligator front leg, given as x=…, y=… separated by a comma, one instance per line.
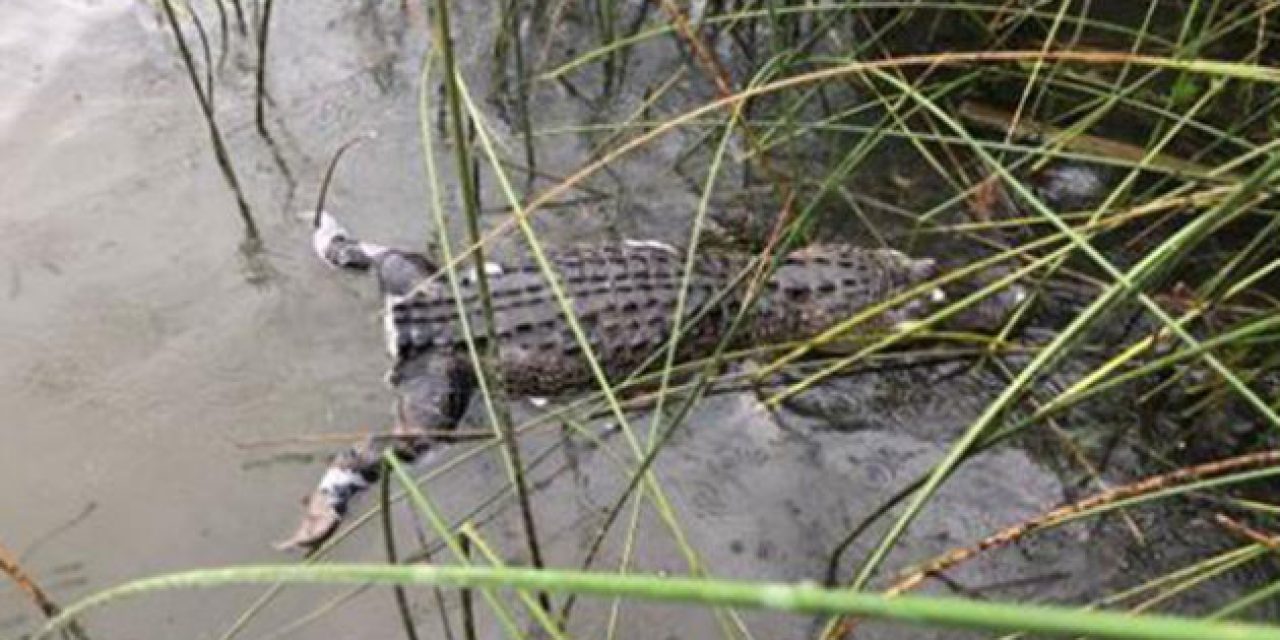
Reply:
x=432, y=391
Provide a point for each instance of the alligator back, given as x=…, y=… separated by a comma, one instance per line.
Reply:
x=625, y=297
x=818, y=287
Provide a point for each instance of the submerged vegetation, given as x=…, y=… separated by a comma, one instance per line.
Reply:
x=1119, y=160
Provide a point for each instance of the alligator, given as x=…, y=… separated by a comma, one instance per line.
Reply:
x=624, y=297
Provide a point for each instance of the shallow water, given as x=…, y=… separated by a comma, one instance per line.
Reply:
x=141, y=359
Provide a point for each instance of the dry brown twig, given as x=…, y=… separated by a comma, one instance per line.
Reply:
x=460, y=435
x=9, y=565
x=1268, y=540
x=724, y=86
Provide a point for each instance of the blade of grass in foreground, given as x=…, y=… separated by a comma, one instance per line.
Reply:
x=796, y=598
x=428, y=511
x=488, y=379
x=661, y=503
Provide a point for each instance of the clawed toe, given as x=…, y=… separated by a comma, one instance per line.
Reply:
x=319, y=521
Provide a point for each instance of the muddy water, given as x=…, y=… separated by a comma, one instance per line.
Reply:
x=146, y=367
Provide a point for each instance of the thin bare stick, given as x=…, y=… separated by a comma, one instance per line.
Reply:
x=389, y=541
x=1268, y=540
x=458, y=435
x=511, y=21
x=720, y=76
x=240, y=21
x=223, y=36
x=261, y=91
x=208, y=54
x=253, y=240
x=74, y=521
x=328, y=173
x=438, y=594
x=9, y=565
x=468, y=610
x=261, y=98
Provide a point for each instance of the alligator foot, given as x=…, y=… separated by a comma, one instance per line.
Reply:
x=319, y=522
x=350, y=473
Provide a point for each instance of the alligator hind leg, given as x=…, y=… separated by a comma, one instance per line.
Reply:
x=432, y=393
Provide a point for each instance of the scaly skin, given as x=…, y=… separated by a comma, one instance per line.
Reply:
x=624, y=298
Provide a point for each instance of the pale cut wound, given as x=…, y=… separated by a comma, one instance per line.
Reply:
x=657, y=245
x=468, y=277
